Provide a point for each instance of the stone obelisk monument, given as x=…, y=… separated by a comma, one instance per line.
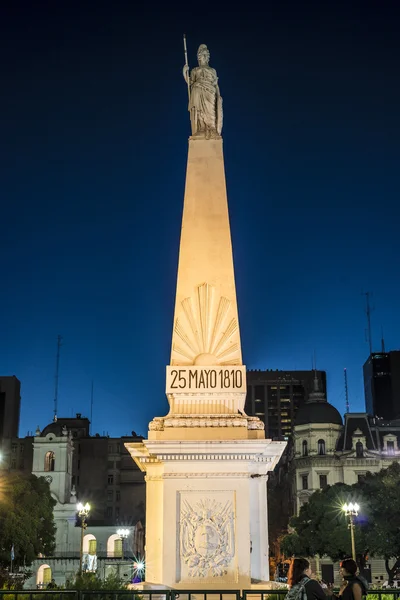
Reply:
x=206, y=462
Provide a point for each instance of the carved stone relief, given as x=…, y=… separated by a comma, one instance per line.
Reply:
x=205, y=333
x=207, y=536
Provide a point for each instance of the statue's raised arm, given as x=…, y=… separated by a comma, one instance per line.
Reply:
x=205, y=101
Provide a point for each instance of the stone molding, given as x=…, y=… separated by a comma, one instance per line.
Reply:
x=161, y=423
x=205, y=457
x=207, y=475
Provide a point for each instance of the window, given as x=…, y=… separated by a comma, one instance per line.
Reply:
x=92, y=547
x=21, y=448
x=305, y=448
x=109, y=512
x=21, y=463
x=79, y=464
x=304, y=481
x=323, y=481
x=13, y=463
x=321, y=447
x=118, y=548
x=110, y=479
x=117, y=513
x=118, y=495
x=390, y=447
x=111, y=448
x=14, y=448
x=49, y=461
x=118, y=448
x=110, y=495
x=359, y=450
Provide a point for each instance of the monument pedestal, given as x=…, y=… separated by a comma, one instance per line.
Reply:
x=208, y=505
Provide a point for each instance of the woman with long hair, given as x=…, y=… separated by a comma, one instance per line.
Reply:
x=302, y=587
x=353, y=587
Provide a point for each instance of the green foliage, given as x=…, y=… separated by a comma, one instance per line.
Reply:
x=321, y=527
x=26, y=518
x=91, y=581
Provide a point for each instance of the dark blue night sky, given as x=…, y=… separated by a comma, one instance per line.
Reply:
x=94, y=132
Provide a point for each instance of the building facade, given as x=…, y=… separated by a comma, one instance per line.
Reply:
x=327, y=450
x=382, y=385
x=101, y=470
x=275, y=397
x=104, y=551
x=10, y=402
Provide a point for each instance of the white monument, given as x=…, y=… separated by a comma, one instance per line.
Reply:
x=206, y=462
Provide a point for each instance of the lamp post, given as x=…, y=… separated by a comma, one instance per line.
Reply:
x=351, y=511
x=83, y=512
x=123, y=534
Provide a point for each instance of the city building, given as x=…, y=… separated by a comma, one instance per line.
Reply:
x=275, y=397
x=10, y=402
x=382, y=385
x=102, y=471
x=327, y=450
x=105, y=548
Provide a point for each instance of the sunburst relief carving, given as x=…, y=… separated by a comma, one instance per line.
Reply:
x=206, y=332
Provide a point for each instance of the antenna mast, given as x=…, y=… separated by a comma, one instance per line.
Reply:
x=368, y=313
x=346, y=391
x=59, y=340
x=91, y=408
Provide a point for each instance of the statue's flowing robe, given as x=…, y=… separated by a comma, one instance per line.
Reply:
x=205, y=101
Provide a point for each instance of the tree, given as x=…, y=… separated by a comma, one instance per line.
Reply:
x=381, y=515
x=321, y=527
x=26, y=518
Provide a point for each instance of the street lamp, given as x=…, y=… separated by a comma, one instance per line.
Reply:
x=351, y=511
x=123, y=534
x=83, y=512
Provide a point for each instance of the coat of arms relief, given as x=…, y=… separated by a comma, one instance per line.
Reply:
x=207, y=537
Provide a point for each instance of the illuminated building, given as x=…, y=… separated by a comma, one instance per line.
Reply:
x=275, y=396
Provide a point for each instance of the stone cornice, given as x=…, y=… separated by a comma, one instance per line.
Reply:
x=205, y=457
x=204, y=475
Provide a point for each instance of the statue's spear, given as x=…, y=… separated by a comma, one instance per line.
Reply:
x=186, y=63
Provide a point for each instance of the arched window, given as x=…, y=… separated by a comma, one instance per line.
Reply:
x=321, y=447
x=359, y=450
x=114, y=546
x=43, y=576
x=49, y=461
x=89, y=544
x=305, y=448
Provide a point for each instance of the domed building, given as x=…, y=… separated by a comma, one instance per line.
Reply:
x=327, y=450
x=318, y=427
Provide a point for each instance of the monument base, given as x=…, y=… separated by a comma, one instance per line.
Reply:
x=206, y=506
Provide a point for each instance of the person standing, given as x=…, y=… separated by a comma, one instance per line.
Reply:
x=301, y=584
x=353, y=586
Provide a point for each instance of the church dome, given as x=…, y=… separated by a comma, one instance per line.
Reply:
x=317, y=409
x=318, y=412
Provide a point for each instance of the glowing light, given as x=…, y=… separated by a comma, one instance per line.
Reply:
x=83, y=509
x=123, y=533
x=351, y=508
x=139, y=566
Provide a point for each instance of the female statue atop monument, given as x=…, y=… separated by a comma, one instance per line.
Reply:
x=205, y=102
